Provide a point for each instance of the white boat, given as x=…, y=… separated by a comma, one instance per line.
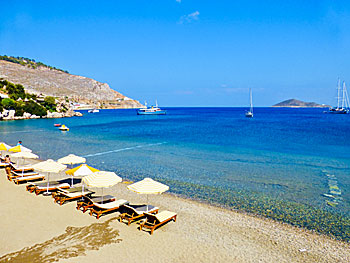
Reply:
x=153, y=110
x=342, y=100
x=249, y=114
x=64, y=128
x=93, y=111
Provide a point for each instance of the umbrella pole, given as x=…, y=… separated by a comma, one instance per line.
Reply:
x=102, y=195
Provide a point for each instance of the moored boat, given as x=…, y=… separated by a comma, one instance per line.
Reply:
x=342, y=101
x=93, y=111
x=64, y=128
x=153, y=110
x=57, y=125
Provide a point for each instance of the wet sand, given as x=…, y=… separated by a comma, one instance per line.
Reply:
x=35, y=229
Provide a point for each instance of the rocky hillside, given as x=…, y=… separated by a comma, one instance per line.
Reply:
x=293, y=103
x=57, y=83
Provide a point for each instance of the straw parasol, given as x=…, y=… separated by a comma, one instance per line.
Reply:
x=19, y=148
x=71, y=159
x=148, y=186
x=49, y=166
x=25, y=155
x=4, y=147
x=101, y=179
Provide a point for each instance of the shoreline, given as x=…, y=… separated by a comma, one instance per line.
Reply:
x=203, y=232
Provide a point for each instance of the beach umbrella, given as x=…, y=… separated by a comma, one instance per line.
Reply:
x=4, y=147
x=148, y=186
x=49, y=166
x=82, y=170
x=19, y=148
x=101, y=179
x=25, y=155
x=71, y=159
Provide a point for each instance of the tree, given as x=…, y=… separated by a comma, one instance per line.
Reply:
x=8, y=104
x=50, y=103
x=34, y=108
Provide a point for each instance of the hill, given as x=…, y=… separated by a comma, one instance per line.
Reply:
x=293, y=103
x=37, y=78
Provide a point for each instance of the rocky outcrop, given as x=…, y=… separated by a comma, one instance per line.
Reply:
x=56, y=83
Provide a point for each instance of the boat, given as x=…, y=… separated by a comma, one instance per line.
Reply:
x=64, y=128
x=342, y=100
x=93, y=111
x=57, y=125
x=153, y=110
x=249, y=114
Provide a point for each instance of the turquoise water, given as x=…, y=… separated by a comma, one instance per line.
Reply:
x=280, y=157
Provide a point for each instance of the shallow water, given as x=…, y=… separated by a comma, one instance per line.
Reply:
x=281, y=155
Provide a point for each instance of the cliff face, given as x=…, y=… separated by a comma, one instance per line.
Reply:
x=293, y=103
x=60, y=84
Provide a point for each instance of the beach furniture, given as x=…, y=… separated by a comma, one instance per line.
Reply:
x=88, y=202
x=152, y=221
x=74, y=193
x=24, y=168
x=101, y=208
x=22, y=179
x=132, y=213
x=14, y=174
x=46, y=186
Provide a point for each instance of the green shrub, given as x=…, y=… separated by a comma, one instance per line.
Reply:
x=50, y=104
x=34, y=108
x=8, y=104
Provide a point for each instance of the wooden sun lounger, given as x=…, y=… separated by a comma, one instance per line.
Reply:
x=21, y=168
x=3, y=165
x=21, y=179
x=63, y=195
x=31, y=186
x=88, y=202
x=136, y=212
x=153, y=221
x=20, y=174
x=51, y=188
x=101, y=208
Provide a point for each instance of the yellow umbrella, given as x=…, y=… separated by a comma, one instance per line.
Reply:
x=71, y=159
x=19, y=148
x=101, y=179
x=4, y=147
x=82, y=170
x=148, y=186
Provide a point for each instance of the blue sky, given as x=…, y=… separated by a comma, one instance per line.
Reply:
x=189, y=53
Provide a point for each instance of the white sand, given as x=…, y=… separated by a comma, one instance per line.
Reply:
x=33, y=229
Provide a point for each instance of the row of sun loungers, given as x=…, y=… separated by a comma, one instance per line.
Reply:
x=147, y=215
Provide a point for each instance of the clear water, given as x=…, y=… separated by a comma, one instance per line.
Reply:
x=283, y=154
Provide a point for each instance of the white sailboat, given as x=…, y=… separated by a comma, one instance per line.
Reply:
x=249, y=114
x=342, y=100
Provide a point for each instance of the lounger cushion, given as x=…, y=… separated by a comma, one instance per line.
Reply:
x=53, y=186
x=164, y=215
x=113, y=204
x=27, y=178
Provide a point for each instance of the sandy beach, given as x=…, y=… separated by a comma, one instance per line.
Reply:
x=35, y=229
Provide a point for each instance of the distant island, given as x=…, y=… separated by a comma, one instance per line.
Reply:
x=293, y=103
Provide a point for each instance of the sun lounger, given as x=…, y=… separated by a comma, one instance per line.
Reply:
x=22, y=179
x=31, y=186
x=101, y=208
x=3, y=165
x=63, y=195
x=51, y=188
x=21, y=168
x=153, y=221
x=88, y=202
x=136, y=212
x=20, y=174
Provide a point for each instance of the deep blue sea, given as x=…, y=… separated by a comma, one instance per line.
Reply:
x=283, y=154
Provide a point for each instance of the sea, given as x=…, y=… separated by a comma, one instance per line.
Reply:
x=289, y=164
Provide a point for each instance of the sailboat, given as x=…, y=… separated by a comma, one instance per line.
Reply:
x=342, y=100
x=249, y=114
